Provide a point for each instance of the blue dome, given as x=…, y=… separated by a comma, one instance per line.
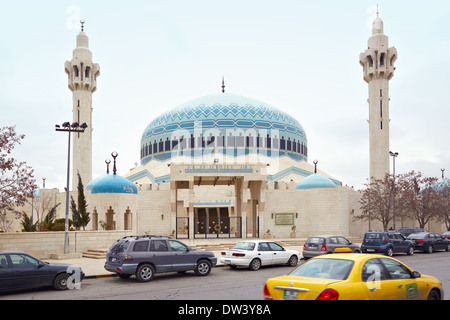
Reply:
x=441, y=184
x=224, y=122
x=112, y=183
x=315, y=181
x=94, y=181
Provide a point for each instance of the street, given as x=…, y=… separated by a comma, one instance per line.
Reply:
x=222, y=284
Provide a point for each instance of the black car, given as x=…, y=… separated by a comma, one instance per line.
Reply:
x=387, y=242
x=144, y=256
x=429, y=241
x=407, y=231
x=19, y=270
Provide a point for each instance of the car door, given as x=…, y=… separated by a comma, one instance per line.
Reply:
x=264, y=253
x=343, y=245
x=440, y=244
x=401, y=282
x=279, y=254
x=375, y=278
x=182, y=257
x=160, y=255
x=6, y=274
x=28, y=271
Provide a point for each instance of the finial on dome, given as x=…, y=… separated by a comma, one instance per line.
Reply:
x=223, y=84
x=315, y=165
x=442, y=170
x=82, y=25
x=107, y=161
x=114, y=155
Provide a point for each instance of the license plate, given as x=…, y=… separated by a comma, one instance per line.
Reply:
x=290, y=295
x=370, y=250
x=227, y=261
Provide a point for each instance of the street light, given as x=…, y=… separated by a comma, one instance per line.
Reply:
x=67, y=127
x=393, y=155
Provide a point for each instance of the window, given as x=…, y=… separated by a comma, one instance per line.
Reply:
x=382, y=59
x=158, y=245
x=3, y=262
x=342, y=240
x=177, y=246
x=23, y=261
x=373, y=270
x=75, y=71
x=275, y=246
x=324, y=268
x=87, y=71
x=263, y=246
x=140, y=246
x=396, y=270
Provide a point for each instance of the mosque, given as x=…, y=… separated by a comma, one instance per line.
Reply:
x=224, y=165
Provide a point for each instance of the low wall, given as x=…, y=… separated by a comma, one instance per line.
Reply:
x=43, y=244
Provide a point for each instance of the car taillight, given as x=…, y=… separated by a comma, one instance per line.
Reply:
x=420, y=241
x=223, y=253
x=324, y=248
x=304, y=246
x=328, y=294
x=235, y=254
x=267, y=295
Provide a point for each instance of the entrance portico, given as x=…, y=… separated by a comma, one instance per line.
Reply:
x=218, y=191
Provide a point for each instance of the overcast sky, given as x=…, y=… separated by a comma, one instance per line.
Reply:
x=299, y=56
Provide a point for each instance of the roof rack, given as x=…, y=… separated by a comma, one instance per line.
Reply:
x=147, y=236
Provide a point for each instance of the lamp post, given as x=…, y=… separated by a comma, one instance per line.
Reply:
x=393, y=155
x=67, y=127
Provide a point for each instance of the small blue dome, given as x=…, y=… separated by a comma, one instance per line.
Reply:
x=315, y=181
x=94, y=181
x=112, y=183
x=441, y=184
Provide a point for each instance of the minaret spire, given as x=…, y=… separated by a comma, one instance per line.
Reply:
x=82, y=80
x=378, y=68
x=223, y=84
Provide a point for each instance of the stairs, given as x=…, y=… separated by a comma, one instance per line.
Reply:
x=95, y=253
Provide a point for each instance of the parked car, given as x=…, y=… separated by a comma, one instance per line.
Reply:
x=446, y=234
x=347, y=276
x=19, y=270
x=143, y=256
x=407, y=231
x=429, y=241
x=386, y=242
x=318, y=245
x=256, y=253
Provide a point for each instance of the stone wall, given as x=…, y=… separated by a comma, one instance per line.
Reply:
x=43, y=244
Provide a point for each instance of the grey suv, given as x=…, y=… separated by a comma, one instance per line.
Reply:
x=144, y=256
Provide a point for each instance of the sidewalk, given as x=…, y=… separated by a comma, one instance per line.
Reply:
x=94, y=268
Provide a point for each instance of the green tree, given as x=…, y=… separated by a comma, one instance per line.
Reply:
x=80, y=215
x=26, y=223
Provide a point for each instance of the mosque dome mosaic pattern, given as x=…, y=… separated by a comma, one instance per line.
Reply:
x=227, y=123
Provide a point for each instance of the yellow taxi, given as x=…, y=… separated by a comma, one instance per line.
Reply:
x=353, y=276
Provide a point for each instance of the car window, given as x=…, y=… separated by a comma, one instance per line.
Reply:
x=372, y=236
x=23, y=261
x=263, y=246
x=396, y=270
x=3, y=262
x=373, y=270
x=275, y=246
x=141, y=246
x=158, y=245
x=342, y=240
x=437, y=236
x=245, y=245
x=324, y=268
x=333, y=240
x=120, y=246
x=315, y=240
x=177, y=246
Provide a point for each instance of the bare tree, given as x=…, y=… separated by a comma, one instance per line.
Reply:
x=377, y=201
x=16, y=179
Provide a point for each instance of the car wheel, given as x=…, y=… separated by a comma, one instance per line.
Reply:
x=357, y=251
x=60, y=281
x=292, y=262
x=203, y=268
x=410, y=251
x=255, y=264
x=434, y=295
x=430, y=249
x=448, y=248
x=145, y=273
x=389, y=252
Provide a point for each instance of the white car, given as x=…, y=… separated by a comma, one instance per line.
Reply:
x=257, y=253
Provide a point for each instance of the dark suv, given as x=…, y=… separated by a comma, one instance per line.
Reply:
x=144, y=256
x=386, y=242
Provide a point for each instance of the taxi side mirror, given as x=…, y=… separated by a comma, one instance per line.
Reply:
x=416, y=274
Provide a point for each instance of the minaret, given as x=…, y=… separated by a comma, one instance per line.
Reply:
x=378, y=63
x=82, y=73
